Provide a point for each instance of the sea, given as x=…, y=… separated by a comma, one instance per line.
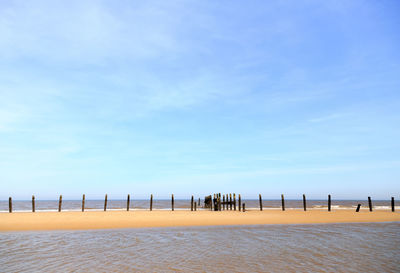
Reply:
x=367, y=247
x=183, y=204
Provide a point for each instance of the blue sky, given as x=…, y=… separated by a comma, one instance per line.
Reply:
x=195, y=97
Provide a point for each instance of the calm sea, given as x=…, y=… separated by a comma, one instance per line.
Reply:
x=76, y=205
x=270, y=248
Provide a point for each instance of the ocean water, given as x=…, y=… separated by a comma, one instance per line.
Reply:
x=251, y=204
x=373, y=247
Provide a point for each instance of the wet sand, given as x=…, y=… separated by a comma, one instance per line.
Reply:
x=138, y=219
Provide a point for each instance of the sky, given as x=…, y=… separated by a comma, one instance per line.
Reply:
x=196, y=97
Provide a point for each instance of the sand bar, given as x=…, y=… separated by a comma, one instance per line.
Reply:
x=139, y=219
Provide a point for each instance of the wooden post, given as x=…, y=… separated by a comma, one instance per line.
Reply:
x=195, y=206
x=392, y=204
x=33, y=203
x=59, y=203
x=304, y=202
x=244, y=207
x=151, y=202
x=223, y=202
x=219, y=201
x=128, y=201
x=191, y=204
x=240, y=203
x=9, y=204
x=260, y=201
x=105, y=203
x=83, y=203
x=369, y=203
x=329, y=202
x=172, y=202
x=230, y=201
x=199, y=203
x=283, y=202
x=358, y=207
x=234, y=201
x=226, y=201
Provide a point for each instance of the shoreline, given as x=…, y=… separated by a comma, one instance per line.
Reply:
x=74, y=220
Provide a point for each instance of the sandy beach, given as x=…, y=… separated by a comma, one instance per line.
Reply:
x=138, y=219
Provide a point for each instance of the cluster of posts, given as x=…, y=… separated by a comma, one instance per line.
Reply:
x=224, y=202
x=215, y=203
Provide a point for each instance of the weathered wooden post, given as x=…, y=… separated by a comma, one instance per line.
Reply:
x=105, y=203
x=283, y=202
x=151, y=202
x=128, y=201
x=195, y=206
x=9, y=204
x=33, y=203
x=230, y=201
x=215, y=202
x=304, y=202
x=226, y=201
x=240, y=203
x=219, y=201
x=199, y=203
x=83, y=203
x=234, y=201
x=369, y=203
x=223, y=201
x=260, y=201
x=172, y=202
x=392, y=204
x=358, y=208
x=191, y=204
x=59, y=203
x=244, y=207
x=329, y=202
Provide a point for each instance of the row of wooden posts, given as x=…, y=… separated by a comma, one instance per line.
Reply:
x=228, y=202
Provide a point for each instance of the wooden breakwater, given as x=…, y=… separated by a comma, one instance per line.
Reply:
x=214, y=202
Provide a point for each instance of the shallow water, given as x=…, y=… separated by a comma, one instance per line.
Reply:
x=371, y=247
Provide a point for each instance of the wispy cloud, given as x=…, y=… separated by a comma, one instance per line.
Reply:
x=329, y=117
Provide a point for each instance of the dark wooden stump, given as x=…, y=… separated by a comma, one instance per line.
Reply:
x=59, y=203
x=260, y=201
x=244, y=207
x=9, y=204
x=240, y=203
x=304, y=202
x=392, y=203
x=83, y=203
x=234, y=201
x=33, y=203
x=369, y=203
x=329, y=202
x=128, y=201
x=172, y=202
x=208, y=202
x=283, y=202
x=358, y=208
x=105, y=203
x=151, y=202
